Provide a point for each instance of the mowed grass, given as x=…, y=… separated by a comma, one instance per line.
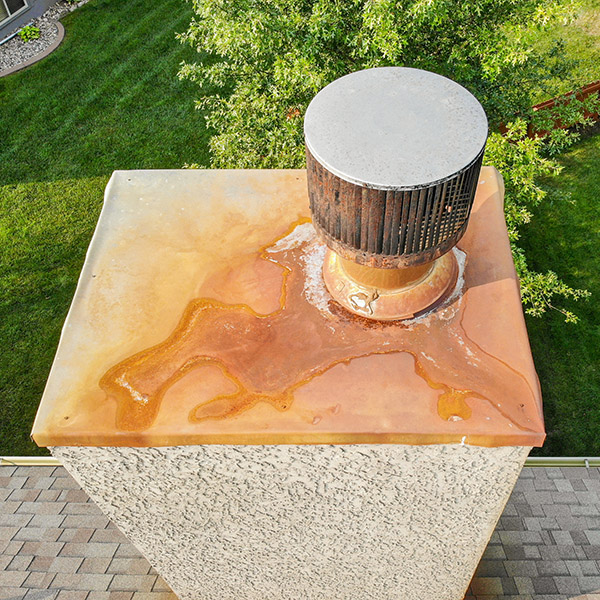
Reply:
x=565, y=238
x=107, y=99
x=581, y=40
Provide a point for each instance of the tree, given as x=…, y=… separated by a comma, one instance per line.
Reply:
x=270, y=58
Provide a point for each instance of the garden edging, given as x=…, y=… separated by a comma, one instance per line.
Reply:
x=30, y=61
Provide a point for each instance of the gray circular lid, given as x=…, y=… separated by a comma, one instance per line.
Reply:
x=395, y=127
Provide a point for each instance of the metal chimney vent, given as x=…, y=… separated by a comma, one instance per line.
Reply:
x=393, y=159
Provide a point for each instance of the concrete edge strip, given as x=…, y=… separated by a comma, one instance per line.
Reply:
x=535, y=461
x=51, y=48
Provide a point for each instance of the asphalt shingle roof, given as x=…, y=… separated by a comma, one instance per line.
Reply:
x=55, y=544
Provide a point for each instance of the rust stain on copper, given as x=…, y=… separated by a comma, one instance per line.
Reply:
x=386, y=228
x=268, y=357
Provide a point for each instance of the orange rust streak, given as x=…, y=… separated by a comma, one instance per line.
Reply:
x=269, y=356
x=507, y=366
x=230, y=405
x=140, y=414
x=264, y=254
x=451, y=402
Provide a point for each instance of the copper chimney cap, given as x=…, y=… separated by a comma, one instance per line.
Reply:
x=393, y=159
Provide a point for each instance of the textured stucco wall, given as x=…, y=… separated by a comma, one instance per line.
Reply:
x=304, y=522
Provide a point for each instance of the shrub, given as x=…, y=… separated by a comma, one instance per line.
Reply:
x=29, y=33
x=272, y=56
x=523, y=160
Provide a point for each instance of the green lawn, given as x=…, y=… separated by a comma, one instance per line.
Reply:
x=582, y=42
x=565, y=238
x=107, y=99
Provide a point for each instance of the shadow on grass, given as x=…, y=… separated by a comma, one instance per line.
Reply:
x=108, y=98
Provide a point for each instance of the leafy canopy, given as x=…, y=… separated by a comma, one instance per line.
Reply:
x=270, y=58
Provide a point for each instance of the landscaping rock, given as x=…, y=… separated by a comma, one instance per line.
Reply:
x=16, y=51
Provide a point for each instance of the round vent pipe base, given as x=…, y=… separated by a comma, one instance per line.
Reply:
x=389, y=294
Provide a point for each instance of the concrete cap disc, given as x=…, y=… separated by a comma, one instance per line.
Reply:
x=395, y=127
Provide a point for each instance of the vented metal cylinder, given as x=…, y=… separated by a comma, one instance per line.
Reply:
x=393, y=160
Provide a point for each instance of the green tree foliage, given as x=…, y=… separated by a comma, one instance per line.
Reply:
x=523, y=159
x=270, y=57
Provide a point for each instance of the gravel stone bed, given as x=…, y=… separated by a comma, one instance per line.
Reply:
x=15, y=51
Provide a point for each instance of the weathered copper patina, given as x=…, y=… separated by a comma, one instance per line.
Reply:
x=389, y=229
